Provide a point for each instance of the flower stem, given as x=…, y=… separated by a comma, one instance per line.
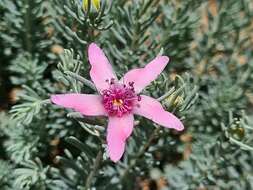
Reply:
x=94, y=171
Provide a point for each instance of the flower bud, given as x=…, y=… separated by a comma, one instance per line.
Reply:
x=236, y=130
x=175, y=101
x=94, y=3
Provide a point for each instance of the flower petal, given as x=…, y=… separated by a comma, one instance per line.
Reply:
x=153, y=110
x=143, y=76
x=119, y=129
x=87, y=104
x=101, y=70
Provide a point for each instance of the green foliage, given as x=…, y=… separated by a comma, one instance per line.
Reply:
x=30, y=175
x=208, y=84
x=23, y=28
x=5, y=175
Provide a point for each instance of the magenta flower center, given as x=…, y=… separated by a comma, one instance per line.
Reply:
x=119, y=99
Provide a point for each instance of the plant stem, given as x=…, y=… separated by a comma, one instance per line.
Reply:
x=140, y=153
x=27, y=24
x=81, y=79
x=94, y=171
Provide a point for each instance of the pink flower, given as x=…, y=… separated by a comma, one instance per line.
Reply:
x=119, y=99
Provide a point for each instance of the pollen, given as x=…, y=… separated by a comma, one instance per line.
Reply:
x=117, y=102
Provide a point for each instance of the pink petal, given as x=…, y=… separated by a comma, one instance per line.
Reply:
x=101, y=70
x=144, y=76
x=119, y=129
x=87, y=104
x=153, y=110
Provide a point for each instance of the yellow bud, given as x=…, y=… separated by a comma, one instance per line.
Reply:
x=237, y=132
x=95, y=4
x=176, y=101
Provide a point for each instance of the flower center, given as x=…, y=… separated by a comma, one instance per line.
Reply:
x=119, y=99
x=117, y=102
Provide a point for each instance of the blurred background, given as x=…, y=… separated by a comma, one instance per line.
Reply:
x=208, y=84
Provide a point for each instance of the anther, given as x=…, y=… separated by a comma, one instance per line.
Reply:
x=112, y=81
x=139, y=97
x=131, y=84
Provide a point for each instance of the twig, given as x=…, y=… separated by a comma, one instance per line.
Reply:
x=81, y=79
x=94, y=171
x=27, y=23
x=140, y=153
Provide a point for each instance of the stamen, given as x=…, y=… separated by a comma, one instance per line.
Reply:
x=112, y=81
x=131, y=84
x=119, y=99
x=139, y=97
